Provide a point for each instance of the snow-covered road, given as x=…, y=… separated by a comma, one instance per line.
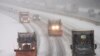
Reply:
x=48, y=46
x=8, y=35
x=43, y=49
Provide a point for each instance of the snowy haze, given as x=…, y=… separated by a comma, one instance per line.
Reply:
x=84, y=3
x=48, y=46
x=60, y=6
x=10, y=27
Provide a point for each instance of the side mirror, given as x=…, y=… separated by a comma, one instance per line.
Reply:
x=95, y=46
x=71, y=46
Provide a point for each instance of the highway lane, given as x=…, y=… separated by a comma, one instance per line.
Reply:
x=60, y=47
x=73, y=28
x=41, y=50
x=48, y=41
x=27, y=26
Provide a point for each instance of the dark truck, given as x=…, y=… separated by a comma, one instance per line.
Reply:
x=27, y=44
x=83, y=43
x=26, y=40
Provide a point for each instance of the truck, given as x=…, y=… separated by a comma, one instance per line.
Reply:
x=83, y=43
x=55, y=28
x=27, y=44
x=26, y=39
x=24, y=17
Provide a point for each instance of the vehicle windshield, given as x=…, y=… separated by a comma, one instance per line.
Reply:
x=86, y=46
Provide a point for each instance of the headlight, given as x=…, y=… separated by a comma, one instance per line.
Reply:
x=25, y=19
x=26, y=44
x=33, y=48
x=23, y=44
x=19, y=48
x=55, y=27
x=83, y=37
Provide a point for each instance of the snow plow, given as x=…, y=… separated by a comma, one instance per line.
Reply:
x=24, y=17
x=26, y=39
x=83, y=43
x=55, y=28
x=27, y=44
